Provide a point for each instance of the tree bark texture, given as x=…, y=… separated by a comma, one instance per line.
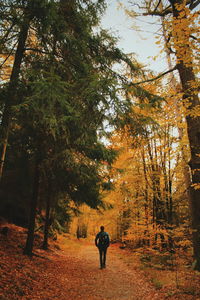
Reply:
x=28, y=250
x=187, y=77
x=11, y=92
x=174, y=84
x=47, y=217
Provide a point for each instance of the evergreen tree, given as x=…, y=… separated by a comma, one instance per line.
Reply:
x=65, y=91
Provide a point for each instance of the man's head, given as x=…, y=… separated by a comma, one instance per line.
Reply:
x=102, y=228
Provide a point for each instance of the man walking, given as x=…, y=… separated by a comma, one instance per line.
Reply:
x=102, y=241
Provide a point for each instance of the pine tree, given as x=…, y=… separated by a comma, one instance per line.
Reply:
x=66, y=91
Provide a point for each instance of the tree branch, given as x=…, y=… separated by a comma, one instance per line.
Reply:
x=156, y=13
x=157, y=5
x=194, y=4
x=194, y=37
x=36, y=50
x=155, y=78
x=9, y=54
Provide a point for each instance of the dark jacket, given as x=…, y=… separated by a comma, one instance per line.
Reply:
x=102, y=240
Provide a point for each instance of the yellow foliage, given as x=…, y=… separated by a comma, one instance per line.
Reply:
x=196, y=186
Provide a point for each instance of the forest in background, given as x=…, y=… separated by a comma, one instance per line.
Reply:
x=61, y=94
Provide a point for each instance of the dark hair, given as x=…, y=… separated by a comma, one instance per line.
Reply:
x=102, y=228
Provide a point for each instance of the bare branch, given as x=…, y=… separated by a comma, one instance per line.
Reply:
x=9, y=54
x=155, y=78
x=157, y=5
x=4, y=38
x=194, y=4
x=194, y=37
x=156, y=13
x=36, y=50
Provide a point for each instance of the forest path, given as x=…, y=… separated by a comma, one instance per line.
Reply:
x=77, y=274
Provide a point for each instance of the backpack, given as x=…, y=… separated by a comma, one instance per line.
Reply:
x=103, y=239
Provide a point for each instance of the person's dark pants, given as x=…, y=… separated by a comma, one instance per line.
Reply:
x=102, y=256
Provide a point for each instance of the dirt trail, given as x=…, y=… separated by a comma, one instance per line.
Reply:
x=117, y=281
x=73, y=273
x=78, y=276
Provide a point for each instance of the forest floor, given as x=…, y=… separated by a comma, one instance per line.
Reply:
x=70, y=270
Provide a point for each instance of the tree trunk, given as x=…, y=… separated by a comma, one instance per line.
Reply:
x=187, y=77
x=33, y=206
x=146, y=205
x=159, y=214
x=47, y=218
x=174, y=84
x=12, y=87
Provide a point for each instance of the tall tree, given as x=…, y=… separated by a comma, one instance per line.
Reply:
x=14, y=77
x=69, y=91
x=182, y=38
x=18, y=16
x=191, y=99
